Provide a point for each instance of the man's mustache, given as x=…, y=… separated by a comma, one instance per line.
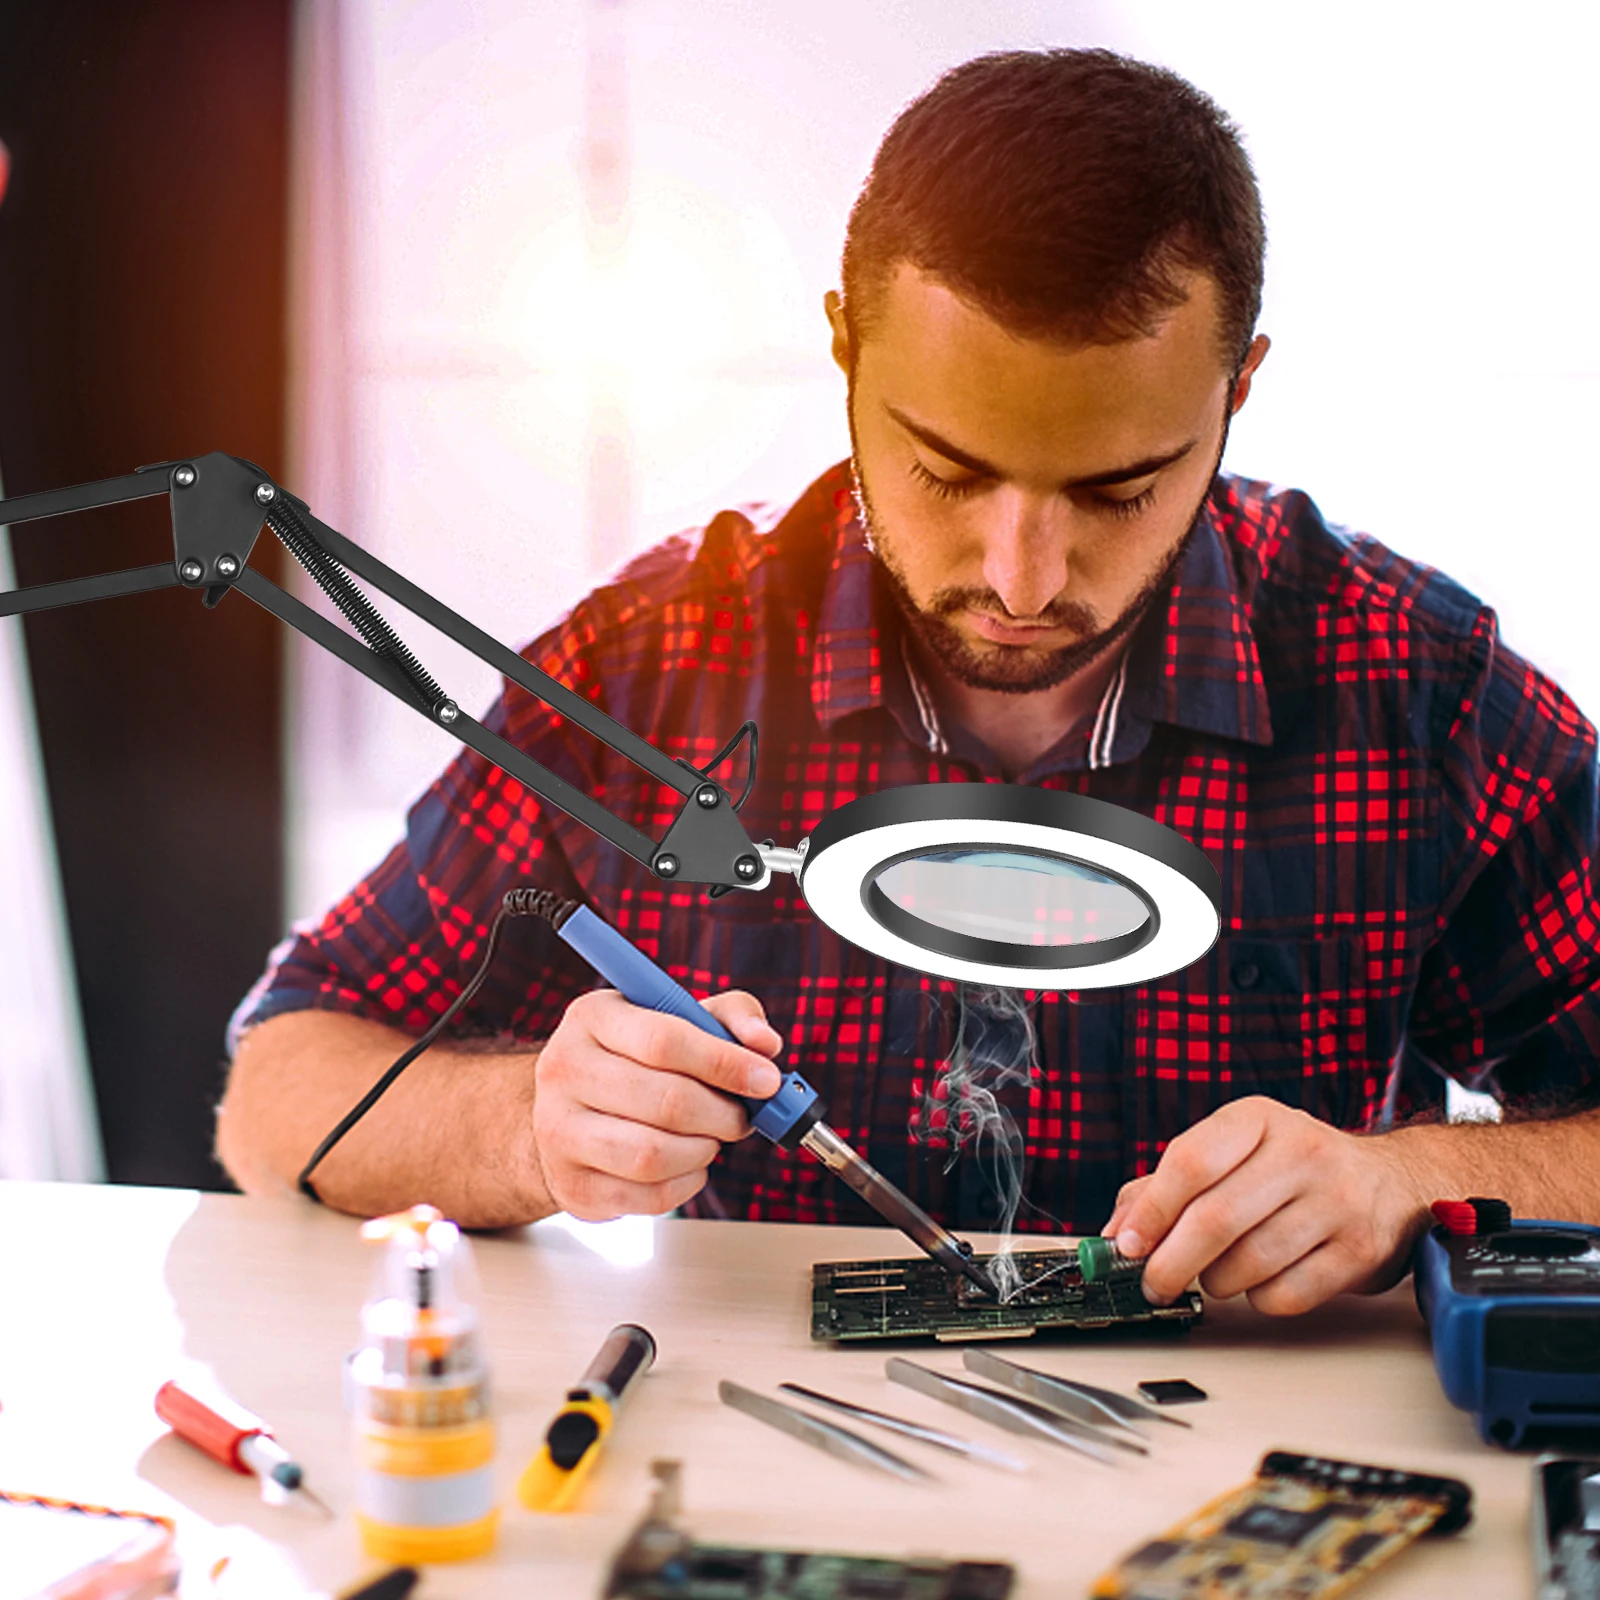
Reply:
x=1072, y=614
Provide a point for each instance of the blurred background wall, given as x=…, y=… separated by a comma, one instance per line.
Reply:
x=508, y=290
x=142, y=317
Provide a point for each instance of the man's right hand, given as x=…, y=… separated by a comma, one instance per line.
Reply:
x=630, y=1107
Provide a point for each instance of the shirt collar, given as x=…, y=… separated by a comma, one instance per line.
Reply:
x=1192, y=663
x=847, y=662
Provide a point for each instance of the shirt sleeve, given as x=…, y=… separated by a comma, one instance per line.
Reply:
x=1509, y=995
x=401, y=945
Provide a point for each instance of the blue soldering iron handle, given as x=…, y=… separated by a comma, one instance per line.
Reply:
x=783, y=1118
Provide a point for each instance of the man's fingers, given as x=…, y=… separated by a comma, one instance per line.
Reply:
x=601, y=1196
x=655, y=1040
x=1191, y=1164
x=1125, y=1198
x=668, y=1100
x=632, y=1151
x=1214, y=1221
x=1317, y=1276
x=1268, y=1249
x=743, y=1016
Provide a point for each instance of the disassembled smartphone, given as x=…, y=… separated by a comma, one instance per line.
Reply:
x=1566, y=1528
x=661, y=1561
x=1044, y=1292
x=1303, y=1526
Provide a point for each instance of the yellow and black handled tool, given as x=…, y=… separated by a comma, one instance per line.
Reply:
x=572, y=1445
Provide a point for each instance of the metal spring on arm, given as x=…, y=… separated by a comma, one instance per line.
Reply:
x=357, y=610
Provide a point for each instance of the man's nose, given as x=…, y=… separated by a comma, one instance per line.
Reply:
x=1025, y=553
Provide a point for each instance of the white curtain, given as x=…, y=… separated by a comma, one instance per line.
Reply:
x=48, y=1128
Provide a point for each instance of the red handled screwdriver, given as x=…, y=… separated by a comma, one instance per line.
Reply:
x=231, y=1435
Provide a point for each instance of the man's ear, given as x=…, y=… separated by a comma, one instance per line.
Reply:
x=833, y=304
x=1254, y=356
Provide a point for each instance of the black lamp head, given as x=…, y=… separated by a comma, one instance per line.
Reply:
x=1010, y=885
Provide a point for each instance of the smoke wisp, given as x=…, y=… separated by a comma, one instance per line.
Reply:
x=995, y=1048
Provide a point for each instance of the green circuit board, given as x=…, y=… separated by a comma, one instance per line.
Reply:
x=661, y=1560
x=719, y=1572
x=918, y=1299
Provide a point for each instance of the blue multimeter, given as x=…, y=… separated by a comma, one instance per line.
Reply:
x=1514, y=1315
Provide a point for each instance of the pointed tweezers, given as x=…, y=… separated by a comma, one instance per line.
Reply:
x=1124, y=1405
x=1005, y=1411
x=937, y=1437
x=1054, y=1394
x=828, y=1436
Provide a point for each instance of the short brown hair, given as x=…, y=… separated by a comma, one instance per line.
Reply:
x=1064, y=193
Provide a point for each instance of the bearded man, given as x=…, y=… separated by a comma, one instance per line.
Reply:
x=1031, y=571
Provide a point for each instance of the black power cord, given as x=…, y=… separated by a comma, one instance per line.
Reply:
x=747, y=731
x=554, y=908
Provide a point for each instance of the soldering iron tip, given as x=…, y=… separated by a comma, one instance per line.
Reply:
x=978, y=1275
x=986, y=1282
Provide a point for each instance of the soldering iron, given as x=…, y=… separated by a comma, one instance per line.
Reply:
x=791, y=1118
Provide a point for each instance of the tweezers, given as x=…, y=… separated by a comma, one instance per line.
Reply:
x=1005, y=1411
x=1123, y=1405
x=828, y=1436
x=1054, y=1394
x=937, y=1437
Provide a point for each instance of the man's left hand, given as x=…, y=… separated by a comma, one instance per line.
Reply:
x=1263, y=1200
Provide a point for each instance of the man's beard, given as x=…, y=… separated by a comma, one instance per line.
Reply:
x=1012, y=669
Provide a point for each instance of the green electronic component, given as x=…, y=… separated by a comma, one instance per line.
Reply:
x=1099, y=1259
x=918, y=1299
x=1303, y=1526
x=661, y=1561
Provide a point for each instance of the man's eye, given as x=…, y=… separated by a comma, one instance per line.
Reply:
x=1126, y=508
x=943, y=487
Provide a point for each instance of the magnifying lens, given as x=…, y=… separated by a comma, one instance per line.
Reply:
x=1003, y=884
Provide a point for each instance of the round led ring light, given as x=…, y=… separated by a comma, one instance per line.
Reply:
x=1004, y=884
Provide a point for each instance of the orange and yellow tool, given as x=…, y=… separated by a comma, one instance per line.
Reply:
x=418, y=1389
x=571, y=1448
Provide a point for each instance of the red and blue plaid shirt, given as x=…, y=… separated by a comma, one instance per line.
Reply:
x=1403, y=814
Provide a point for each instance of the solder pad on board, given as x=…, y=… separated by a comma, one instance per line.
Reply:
x=918, y=1299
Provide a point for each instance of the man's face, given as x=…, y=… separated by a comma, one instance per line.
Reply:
x=1027, y=498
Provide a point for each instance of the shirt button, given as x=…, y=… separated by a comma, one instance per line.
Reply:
x=1246, y=975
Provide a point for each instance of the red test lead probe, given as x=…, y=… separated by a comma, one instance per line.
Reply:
x=1473, y=1216
x=238, y=1440
x=1456, y=1216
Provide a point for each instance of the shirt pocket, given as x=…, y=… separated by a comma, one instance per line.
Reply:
x=1308, y=1027
x=1293, y=1019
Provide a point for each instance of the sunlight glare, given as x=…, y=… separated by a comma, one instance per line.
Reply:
x=623, y=1242
x=687, y=326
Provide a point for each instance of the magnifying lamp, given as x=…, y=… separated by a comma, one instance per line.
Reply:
x=1009, y=885
x=995, y=883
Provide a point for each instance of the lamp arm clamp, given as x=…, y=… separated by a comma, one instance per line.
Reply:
x=219, y=504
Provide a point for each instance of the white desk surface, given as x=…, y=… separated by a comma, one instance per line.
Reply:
x=110, y=1291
